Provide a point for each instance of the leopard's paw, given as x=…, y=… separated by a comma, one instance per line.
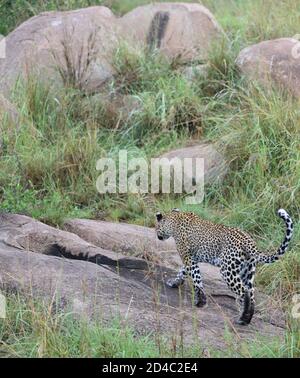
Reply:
x=173, y=283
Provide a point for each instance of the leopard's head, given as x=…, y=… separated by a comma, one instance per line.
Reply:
x=164, y=224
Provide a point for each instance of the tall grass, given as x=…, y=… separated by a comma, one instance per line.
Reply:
x=252, y=21
x=14, y=12
x=36, y=329
x=53, y=155
x=33, y=329
x=48, y=165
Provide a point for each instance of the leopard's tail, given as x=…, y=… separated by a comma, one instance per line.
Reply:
x=268, y=259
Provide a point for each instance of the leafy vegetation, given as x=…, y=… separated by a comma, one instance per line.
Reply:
x=47, y=166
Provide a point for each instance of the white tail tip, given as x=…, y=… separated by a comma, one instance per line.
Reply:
x=282, y=213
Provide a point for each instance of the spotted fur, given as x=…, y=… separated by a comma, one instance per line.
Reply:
x=231, y=249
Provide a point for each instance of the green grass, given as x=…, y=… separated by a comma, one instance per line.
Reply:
x=36, y=329
x=250, y=20
x=48, y=165
x=14, y=12
x=31, y=329
x=253, y=21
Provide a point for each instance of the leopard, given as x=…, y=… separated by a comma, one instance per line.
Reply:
x=231, y=249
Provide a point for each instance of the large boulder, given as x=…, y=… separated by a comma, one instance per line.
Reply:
x=215, y=165
x=138, y=296
x=273, y=62
x=72, y=47
x=76, y=48
x=179, y=30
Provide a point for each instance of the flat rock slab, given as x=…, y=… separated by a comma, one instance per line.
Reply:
x=25, y=233
x=138, y=295
x=128, y=239
x=91, y=290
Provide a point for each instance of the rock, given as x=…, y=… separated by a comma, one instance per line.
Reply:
x=74, y=48
x=138, y=297
x=215, y=166
x=181, y=31
x=25, y=233
x=127, y=239
x=76, y=284
x=275, y=61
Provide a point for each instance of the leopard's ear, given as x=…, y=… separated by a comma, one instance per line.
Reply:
x=175, y=210
x=159, y=216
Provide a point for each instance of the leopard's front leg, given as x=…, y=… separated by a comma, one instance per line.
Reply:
x=199, y=296
x=194, y=272
x=178, y=280
x=190, y=268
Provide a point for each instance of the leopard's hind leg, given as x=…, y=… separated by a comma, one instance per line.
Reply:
x=193, y=271
x=239, y=277
x=247, y=275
